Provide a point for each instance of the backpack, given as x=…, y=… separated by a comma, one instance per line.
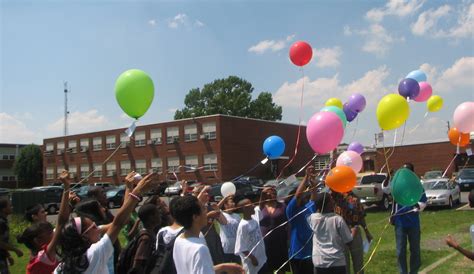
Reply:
x=162, y=257
x=126, y=257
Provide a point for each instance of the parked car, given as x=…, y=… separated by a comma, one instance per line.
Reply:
x=173, y=189
x=442, y=192
x=465, y=179
x=4, y=192
x=115, y=197
x=52, y=197
x=242, y=190
x=250, y=180
x=433, y=174
x=105, y=185
x=158, y=189
x=369, y=191
x=81, y=192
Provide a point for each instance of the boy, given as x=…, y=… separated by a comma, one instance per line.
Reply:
x=5, y=246
x=330, y=236
x=248, y=236
x=190, y=253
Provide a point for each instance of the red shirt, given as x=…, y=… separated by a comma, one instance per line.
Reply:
x=41, y=263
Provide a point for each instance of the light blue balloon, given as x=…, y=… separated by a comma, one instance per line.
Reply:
x=339, y=113
x=418, y=75
x=273, y=147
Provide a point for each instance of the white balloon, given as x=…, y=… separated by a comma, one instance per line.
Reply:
x=138, y=177
x=228, y=188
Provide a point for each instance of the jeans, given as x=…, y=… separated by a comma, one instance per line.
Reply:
x=301, y=266
x=330, y=270
x=356, y=252
x=412, y=234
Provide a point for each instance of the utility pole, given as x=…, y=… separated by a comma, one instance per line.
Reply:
x=66, y=112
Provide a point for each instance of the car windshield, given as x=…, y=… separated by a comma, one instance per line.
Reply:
x=467, y=174
x=433, y=175
x=112, y=193
x=435, y=185
x=372, y=179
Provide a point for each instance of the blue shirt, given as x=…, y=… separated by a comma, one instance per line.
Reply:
x=407, y=220
x=301, y=234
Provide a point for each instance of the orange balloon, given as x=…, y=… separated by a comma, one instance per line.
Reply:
x=456, y=137
x=341, y=179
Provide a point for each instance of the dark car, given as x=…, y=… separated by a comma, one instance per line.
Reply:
x=250, y=180
x=115, y=197
x=51, y=197
x=465, y=179
x=81, y=192
x=243, y=190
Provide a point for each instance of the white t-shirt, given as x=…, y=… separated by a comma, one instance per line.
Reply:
x=98, y=256
x=248, y=235
x=168, y=234
x=191, y=255
x=228, y=232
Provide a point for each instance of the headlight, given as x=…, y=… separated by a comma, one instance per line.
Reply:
x=443, y=196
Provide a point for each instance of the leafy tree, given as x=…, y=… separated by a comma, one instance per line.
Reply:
x=29, y=165
x=230, y=96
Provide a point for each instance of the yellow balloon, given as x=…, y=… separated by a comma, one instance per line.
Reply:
x=335, y=102
x=392, y=111
x=434, y=103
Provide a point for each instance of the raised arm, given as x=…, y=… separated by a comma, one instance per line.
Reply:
x=308, y=177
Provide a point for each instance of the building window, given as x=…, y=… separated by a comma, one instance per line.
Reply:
x=172, y=135
x=191, y=163
x=111, y=169
x=210, y=162
x=12, y=157
x=140, y=167
x=124, y=140
x=369, y=165
x=72, y=146
x=60, y=148
x=49, y=149
x=49, y=173
x=190, y=133
x=12, y=178
x=125, y=168
x=5, y=178
x=84, y=170
x=173, y=164
x=155, y=136
x=157, y=165
x=72, y=171
x=97, y=143
x=140, y=139
x=59, y=169
x=84, y=145
x=110, y=142
x=321, y=162
x=5, y=157
x=209, y=130
x=97, y=170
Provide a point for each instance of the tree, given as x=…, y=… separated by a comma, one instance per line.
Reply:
x=230, y=96
x=28, y=166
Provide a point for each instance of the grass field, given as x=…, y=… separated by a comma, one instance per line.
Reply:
x=435, y=225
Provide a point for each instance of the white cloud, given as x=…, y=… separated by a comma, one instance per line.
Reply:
x=459, y=75
x=179, y=19
x=271, y=45
x=172, y=110
x=378, y=40
x=327, y=57
x=12, y=130
x=80, y=122
x=428, y=19
x=464, y=28
x=152, y=22
x=400, y=8
x=199, y=23
x=347, y=31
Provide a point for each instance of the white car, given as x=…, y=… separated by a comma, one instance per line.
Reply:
x=441, y=192
x=173, y=189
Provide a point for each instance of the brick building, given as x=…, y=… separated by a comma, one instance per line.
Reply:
x=211, y=149
x=8, y=154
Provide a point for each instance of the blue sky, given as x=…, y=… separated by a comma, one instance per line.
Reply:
x=364, y=46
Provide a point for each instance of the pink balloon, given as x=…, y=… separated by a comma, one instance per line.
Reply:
x=425, y=92
x=351, y=159
x=464, y=117
x=324, y=132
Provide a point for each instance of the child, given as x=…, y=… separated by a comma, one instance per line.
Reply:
x=42, y=239
x=330, y=236
x=248, y=236
x=35, y=214
x=81, y=246
x=229, y=221
x=190, y=253
x=5, y=246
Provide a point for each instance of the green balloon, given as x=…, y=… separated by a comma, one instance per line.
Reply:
x=134, y=91
x=406, y=187
x=339, y=113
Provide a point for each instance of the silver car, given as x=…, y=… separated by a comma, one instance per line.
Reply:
x=442, y=192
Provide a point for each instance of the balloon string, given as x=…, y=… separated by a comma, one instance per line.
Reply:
x=450, y=163
x=248, y=171
x=355, y=129
x=299, y=127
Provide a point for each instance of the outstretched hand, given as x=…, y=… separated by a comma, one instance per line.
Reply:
x=145, y=184
x=65, y=179
x=450, y=241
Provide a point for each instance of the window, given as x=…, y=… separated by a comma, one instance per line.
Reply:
x=190, y=133
x=155, y=136
x=72, y=171
x=140, y=139
x=11, y=157
x=157, y=165
x=84, y=145
x=111, y=169
x=209, y=130
x=97, y=143
x=321, y=162
x=60, y=148
x=5, y=178
x=5, y=157
x=125, y=168
x=49, y=147
x=110, y=142
x=84, y=170
x=210, y=162
x=59, y=169
x=140, y=167
x=49, y=173
x=124, y=140
x=191, y=163
x=172, y=135
x=97, y=170
x=12, y=178
x=173, y=164
x=72, y=146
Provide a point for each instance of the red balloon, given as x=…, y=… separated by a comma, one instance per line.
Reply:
x=301, y=53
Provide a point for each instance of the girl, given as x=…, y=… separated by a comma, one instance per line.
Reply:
x=229, y=221
x=35, y=213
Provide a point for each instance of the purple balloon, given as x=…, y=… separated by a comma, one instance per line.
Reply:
x=409, y=88
x=356, y=147
x=350, y=115
x=356, y=102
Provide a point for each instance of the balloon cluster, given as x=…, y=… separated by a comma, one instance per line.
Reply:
x=463, y=120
